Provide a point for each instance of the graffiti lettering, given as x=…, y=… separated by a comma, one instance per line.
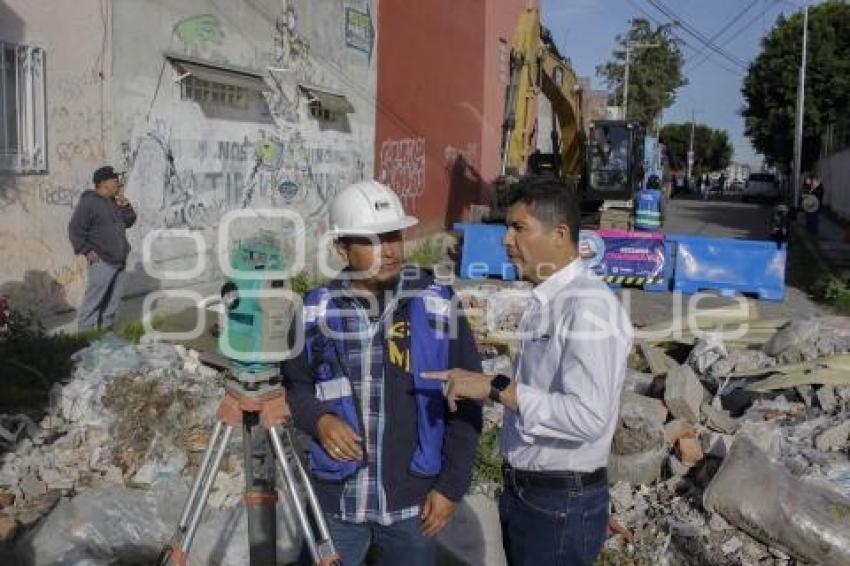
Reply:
x=60, y=196
x=88, y=149
x=402, y=167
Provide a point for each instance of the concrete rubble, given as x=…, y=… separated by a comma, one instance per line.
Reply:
x=127, y=431
x=115, y=455
x=686, y=410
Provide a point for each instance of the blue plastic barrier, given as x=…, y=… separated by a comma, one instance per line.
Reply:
x=729, y=266
x=483, y=254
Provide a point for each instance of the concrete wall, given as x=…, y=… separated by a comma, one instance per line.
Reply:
x=37, y=266
x=834, y=172
x=441, y=102
x=272, y=155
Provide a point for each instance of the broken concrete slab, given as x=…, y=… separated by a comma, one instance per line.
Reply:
x=708, y=350
x=642, y=468
x=649, y=405
x=689, y=451
x=715, y=444
x=826, y=398
x=718, y=419
x=684, y=394
x=659, y=363
x=8, y=528
x=794, y=334
x=753, y=493
x=834, y=438
x=676, y=429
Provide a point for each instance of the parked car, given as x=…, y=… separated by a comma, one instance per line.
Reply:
x=761, y=187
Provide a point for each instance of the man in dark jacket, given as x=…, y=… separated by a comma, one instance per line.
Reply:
x=389, y=461
x=98, y=231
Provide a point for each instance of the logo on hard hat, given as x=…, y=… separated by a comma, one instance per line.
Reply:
x=381, y=205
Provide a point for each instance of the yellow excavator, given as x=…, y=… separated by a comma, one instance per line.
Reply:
x=603, y=160
x=537, y=67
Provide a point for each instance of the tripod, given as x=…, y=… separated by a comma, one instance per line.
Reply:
x=252, y=398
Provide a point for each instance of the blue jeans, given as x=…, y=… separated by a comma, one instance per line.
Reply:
x=553, y=527
x=401, y=543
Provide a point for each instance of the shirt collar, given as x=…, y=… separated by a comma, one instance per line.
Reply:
x=548, y=289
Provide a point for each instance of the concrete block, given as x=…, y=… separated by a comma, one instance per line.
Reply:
x=716, y=444
x=676, y=429
x=684, y=394
x=6, y=499
x=689, y=451
x=649, y=405
x=826, y=398
x=834, y=438
x=719, y=420
x=8, y=528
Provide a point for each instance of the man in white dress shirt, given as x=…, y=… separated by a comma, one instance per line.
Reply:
x=562, y=403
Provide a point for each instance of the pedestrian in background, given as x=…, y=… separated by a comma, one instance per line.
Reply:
x=812, y=204
x=98, y=231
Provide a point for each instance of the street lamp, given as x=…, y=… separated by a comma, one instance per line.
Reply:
x=630, y=45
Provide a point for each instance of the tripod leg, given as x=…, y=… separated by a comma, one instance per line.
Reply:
x=321, y=524
x=195, y=515
x=260, y=493
x=203, y=472
x=289, y=480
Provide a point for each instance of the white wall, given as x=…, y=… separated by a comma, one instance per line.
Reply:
x=834, y=172
x=37, y=266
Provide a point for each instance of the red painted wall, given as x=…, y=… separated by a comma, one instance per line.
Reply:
x=440, y=102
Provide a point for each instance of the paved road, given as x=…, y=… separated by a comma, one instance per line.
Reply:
x=728, y=219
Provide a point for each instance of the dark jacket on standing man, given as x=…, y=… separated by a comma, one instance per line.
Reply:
x=100, y=225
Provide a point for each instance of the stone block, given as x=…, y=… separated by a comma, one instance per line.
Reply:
x=684, y=394
x=689, y=451
x=719, y=420
x=676, y=429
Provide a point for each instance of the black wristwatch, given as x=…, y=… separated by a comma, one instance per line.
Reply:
x=498, y=384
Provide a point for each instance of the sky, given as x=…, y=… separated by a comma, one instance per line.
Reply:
x=584, y=31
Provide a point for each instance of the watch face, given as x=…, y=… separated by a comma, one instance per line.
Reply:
x=500, y=382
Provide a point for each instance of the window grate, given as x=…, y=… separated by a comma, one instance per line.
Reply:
x=22, y=109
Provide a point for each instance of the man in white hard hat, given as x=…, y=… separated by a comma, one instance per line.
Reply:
x=388, y=459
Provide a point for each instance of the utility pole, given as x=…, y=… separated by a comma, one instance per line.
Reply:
x=629, y=46
x=801, y=99
x=691, y=148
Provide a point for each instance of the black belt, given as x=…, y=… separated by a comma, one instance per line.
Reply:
x=554, y=480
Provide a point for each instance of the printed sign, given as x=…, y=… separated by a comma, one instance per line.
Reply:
x=626, y=258
x=359, y=33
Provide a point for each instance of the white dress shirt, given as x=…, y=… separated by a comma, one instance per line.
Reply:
x=570, y=370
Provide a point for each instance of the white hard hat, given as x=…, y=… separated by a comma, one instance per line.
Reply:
x=368, y=208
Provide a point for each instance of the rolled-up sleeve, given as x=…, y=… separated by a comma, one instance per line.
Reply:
x=585, y=392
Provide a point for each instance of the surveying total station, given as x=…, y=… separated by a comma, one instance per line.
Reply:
x=258, y=313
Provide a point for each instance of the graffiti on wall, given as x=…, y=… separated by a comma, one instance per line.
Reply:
x=359, y=32
x=402, y=166
x=199, y=33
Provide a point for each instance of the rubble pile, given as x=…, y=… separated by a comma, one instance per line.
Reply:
x=733, y=443
x=131, y=416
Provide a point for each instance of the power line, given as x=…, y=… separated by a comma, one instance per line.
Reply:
x=735, y=19
x=771, y=4
x=685, y=42
x=695, y=33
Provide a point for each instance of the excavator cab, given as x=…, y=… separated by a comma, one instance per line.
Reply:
x=614, y=161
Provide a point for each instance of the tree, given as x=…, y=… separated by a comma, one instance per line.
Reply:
x=655, y=74
x=770, y=87
x=712, y=148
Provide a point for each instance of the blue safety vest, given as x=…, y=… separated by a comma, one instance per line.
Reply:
x=429, y=351
x=648, y=213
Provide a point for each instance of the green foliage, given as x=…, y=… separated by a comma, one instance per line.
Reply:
x=770, y=87
x=426, y=253
x=655, y=74
x=712, y=148
x=31, y=361
x=488, y=460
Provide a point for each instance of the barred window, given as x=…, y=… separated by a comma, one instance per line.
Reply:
x=22, y=111
x=209, y=92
